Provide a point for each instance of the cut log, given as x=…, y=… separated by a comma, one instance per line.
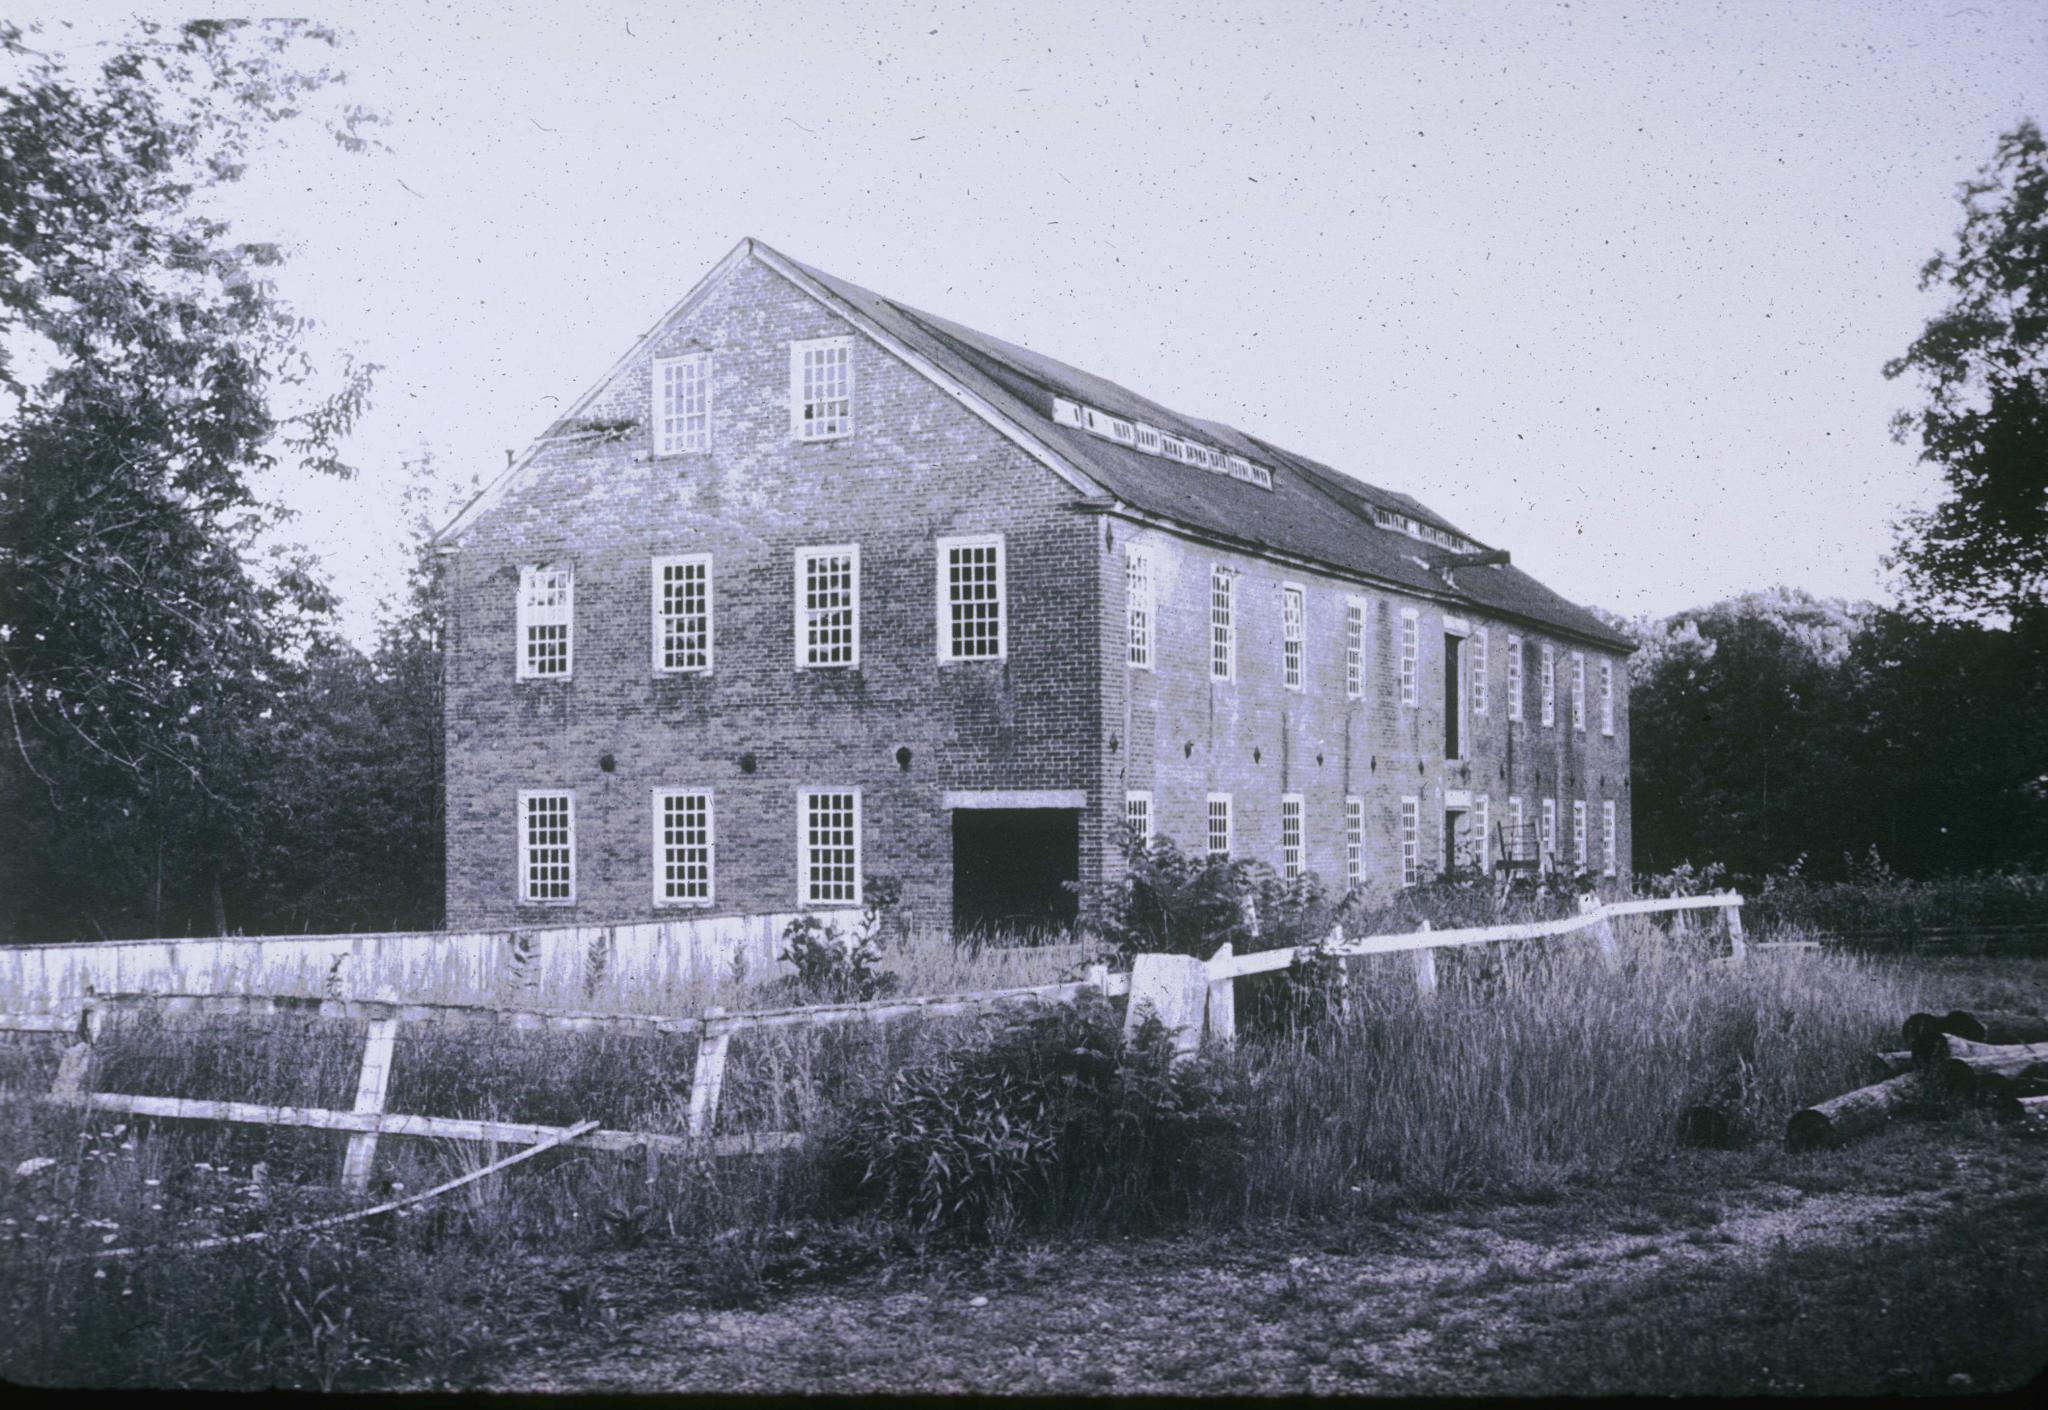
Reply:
x=1994, y=1070
x=1996, y=1027
x=1918, y=1024
x=2030, y=1112
x=1893, y=1063
x=1832, y=1123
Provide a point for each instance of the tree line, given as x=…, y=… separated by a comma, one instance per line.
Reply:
x=191, y=747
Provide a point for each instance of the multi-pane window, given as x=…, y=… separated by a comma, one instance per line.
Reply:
x=1138, y=600
x=1482, y=824
x=1354, y=647
x=547, y=611
x=1411, y=841
x=1411, y=655
x=1293, y=626
x=1354, y=841
x=828, y=606
x=1607, y=835
x=682, y=613
x=1290, y=836
x=1550, y=830
x=1514, y=677
x=1480, y=650
x=1222, y=624
x=1138, y=817
x=1219, y=824
x=828, y=823
x=1579, y=691
x=1607, y=697
x=1549, y=684
x=682, y=847
x=971, y=626
x=547, y=848
x=1515, y=822
x=682, y=404
x=821, y=389
x=1579, y=832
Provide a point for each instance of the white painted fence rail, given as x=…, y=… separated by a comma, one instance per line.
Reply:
x=554, y=962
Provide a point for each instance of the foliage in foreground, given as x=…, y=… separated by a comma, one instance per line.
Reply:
x=1046, y=1121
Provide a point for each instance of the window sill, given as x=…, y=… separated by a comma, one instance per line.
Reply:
x=974, y=660
x=674, y=671
x=664, y=904
x=544, y=680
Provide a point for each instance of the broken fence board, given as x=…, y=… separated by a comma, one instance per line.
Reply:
x=371, y=1085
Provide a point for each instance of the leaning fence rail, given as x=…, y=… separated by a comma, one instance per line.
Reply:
x=1194, y=997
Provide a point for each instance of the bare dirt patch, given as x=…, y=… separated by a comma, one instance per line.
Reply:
x=1774, y=1280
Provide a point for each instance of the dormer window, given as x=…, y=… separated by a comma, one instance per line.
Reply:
x=682, y=404
x=821, y=389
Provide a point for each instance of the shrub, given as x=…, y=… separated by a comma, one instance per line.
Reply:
x=1049, y=1120
x=1171, y=902
x=835, y=969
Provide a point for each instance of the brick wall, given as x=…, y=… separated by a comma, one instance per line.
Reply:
x=1255, y=739
x=917, y=466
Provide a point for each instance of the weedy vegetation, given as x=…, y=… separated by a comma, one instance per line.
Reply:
x=1533, y=1068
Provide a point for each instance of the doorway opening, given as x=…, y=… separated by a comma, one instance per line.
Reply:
x=1010, y=869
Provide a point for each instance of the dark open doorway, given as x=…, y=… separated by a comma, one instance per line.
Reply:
x=1009, y=866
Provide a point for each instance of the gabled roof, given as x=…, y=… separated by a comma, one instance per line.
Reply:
x=1311, y=512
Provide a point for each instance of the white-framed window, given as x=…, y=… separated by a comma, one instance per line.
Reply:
x=828, y=605
x=828, y=846
x=1607, y=698
x=1514, y=676
x=1482, y=823
x=1481, y=650
x=1411, y=655
x=1411, y=841
x=973, y=615
x=1290, y=836
x=1550, y=830
x=547, y=616
x=1579, y=832
x=682, y=404
x=683, y=844
x=1354, y=648
x=547, y=847
x=1354, y=841
x=1549, y=684
x=1293, y=630
x=1139, y=604
x=1607, y=835
x=1515, y=821
x=682, y=613
x=821, y=389
x=1138, y=816
x=1219, y=825
x=1579, y=691
x=1222, y=624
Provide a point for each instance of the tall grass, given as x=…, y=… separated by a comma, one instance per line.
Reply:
x=1533, y=1065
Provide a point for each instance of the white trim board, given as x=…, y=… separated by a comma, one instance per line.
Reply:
x=1016, y=798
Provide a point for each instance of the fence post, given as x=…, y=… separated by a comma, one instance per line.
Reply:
x=370, y=1089
x=1425, y=966
x=1098, y=976
x=1175, y=989
x=1603, y=928
x=74, y=1067
x=1222, y=1009
x=709, y=1081
x=1736, y=949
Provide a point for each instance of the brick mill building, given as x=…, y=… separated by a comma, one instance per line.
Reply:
x=812, y=587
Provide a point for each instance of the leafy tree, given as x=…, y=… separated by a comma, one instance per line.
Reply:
x=155, y=374
x=1983, y=362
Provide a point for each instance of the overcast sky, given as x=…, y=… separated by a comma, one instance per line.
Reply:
x=1609, y=285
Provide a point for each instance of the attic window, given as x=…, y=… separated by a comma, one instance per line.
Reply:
x=821, y=389
x=1150, y=440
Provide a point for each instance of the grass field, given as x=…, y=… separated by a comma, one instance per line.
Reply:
x=1536, y=1091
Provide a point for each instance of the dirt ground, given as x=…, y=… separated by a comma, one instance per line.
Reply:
x=1713, y=1274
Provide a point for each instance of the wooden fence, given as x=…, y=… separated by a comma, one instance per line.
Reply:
x=1195, y=998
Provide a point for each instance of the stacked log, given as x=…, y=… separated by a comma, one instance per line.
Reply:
x=1992, y=1070
x=1925, y=1032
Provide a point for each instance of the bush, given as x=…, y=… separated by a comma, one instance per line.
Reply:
x=1171, y=902
x=1049, y=1121
x=1876, y=904
x=835, y=969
